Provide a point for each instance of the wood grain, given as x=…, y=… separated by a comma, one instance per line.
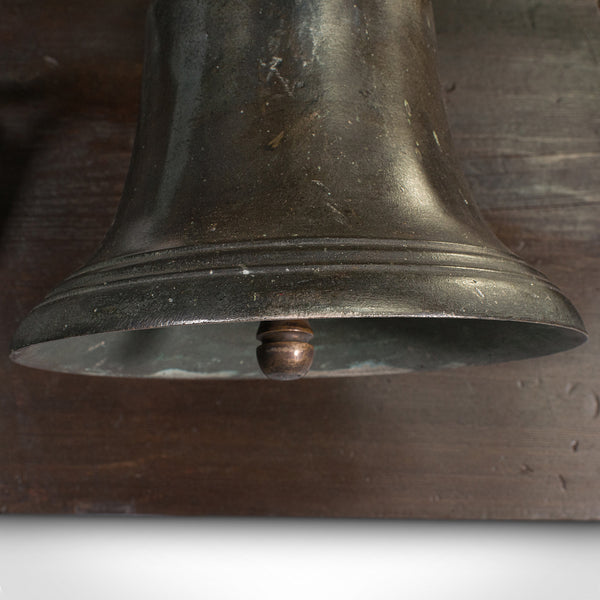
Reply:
x=512, y=441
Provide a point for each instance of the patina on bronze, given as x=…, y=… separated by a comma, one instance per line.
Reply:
x=292, y=162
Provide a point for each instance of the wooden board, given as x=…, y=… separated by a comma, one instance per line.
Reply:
x=512, y=441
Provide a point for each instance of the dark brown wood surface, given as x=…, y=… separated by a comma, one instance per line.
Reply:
x=512, y=441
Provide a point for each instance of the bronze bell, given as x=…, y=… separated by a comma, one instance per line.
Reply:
x=293, y=162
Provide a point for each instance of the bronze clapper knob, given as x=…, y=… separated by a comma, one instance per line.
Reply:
x=286, y=352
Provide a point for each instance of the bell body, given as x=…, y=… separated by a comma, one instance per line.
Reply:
x=293, y=161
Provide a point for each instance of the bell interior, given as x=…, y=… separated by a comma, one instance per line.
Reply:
x=346, y=346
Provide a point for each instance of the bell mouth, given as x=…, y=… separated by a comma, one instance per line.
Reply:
x=375, y=307
x=343, y=347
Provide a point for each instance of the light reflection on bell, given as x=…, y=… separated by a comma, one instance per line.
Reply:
x=293, y=162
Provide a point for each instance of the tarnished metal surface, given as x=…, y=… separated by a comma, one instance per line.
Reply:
x=293, y=161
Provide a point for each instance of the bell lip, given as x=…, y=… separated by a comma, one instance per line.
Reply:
x=314, y=279
x=19, y=343
x=564, y=338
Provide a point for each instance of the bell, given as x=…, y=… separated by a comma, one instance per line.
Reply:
x=293, y=172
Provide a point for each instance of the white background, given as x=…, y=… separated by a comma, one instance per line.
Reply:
x=262, y=559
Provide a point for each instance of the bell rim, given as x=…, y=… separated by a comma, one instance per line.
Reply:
x=298, y=278
x=569, y=337
x=327, y=292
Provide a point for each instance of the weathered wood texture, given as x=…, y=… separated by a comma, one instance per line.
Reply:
x=521, y=440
